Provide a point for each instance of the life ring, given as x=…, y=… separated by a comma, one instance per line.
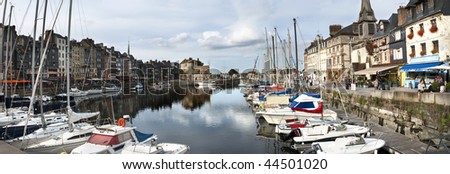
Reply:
x=121, y=122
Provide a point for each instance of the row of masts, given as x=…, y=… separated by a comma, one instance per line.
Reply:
x=290, y=66
x=43, y=52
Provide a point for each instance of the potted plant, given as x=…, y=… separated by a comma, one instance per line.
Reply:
x=422, y=53
x=410, y=35
x=365, y=84
x=447, y=87
x=433, y=28
x=435, y=87
x=420, y=32
x=434, y=51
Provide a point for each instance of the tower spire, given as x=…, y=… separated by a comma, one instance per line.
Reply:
x=366, y=14
x=128, y=47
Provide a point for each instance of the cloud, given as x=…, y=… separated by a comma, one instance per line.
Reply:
x=170, y=42
x=244, y=31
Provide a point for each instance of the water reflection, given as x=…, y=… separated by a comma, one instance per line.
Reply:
x=209, y=121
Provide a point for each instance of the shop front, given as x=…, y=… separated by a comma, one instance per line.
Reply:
x=423, y=68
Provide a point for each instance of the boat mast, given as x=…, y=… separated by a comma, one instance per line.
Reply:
x=276, y=56
x=5, y=4
x=69, y=54
x=33, y=53
x=268, y=54
x=6, y=57
x=33, y=94
x=320, y=72
x=44, y=125
x=290, y=58
x=273, y=52
x=296, y=52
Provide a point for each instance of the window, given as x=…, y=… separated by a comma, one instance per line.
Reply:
x=424, y=49
x=433, y=21
x=435, y=47
x=398, y=54
x=385, y=56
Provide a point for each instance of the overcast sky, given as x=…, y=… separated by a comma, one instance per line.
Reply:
x=223, y=33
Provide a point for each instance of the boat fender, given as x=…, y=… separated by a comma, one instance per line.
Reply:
x=121, y=122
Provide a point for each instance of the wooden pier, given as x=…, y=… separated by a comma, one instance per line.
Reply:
x=5, y=148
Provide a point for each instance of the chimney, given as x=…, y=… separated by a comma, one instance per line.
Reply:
x=334, y=29
x=402, y=15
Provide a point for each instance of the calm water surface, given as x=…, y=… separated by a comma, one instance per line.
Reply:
x=211, y=122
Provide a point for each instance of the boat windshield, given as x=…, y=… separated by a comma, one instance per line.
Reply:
x=103, y=139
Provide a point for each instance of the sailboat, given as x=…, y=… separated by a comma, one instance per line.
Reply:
x=307, y=105
x=77, y=134
x=116, y=139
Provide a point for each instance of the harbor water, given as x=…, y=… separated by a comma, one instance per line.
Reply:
x=209, y=121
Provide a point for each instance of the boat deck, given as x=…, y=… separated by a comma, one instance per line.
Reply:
x=5, y=148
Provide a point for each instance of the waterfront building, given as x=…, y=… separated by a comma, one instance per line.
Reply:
x=61, y=44
x=316, y=58
x=338, y=47
x=194, y=70
x=428, y=41
x=385, y=51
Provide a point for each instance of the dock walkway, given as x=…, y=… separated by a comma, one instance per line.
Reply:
x=5, y=148
x=396, y=143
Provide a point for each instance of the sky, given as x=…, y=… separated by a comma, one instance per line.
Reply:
x=222, y=33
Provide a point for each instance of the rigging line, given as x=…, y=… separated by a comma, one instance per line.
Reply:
x=40, y=69
x=21, y=62
x=9, y=63
x=84, y=17
x=79, y=19
x=301, y=34
x=23, y=19
x=283, y=47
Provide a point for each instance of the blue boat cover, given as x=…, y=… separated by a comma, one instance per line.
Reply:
x=142, y=136
x=311, y=94
x=419, y=67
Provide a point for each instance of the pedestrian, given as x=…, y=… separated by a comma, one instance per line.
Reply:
x=421, y=87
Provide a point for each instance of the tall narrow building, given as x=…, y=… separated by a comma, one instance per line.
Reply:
x=366, y=24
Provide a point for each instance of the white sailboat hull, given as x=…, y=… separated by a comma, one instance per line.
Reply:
x=317, y=134
x=279, y=117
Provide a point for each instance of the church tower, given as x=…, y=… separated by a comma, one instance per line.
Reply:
x=366, y=25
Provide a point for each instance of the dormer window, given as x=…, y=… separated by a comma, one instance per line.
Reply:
x=381, y=27
x=431, y=4
x=419, y=8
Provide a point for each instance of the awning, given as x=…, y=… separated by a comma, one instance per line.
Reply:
x=419, y=67
x=440, y=67
x=374, y=70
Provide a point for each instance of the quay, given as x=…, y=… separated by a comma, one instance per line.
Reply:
x=409, y=124
x=5, y=148
x=396, y=143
